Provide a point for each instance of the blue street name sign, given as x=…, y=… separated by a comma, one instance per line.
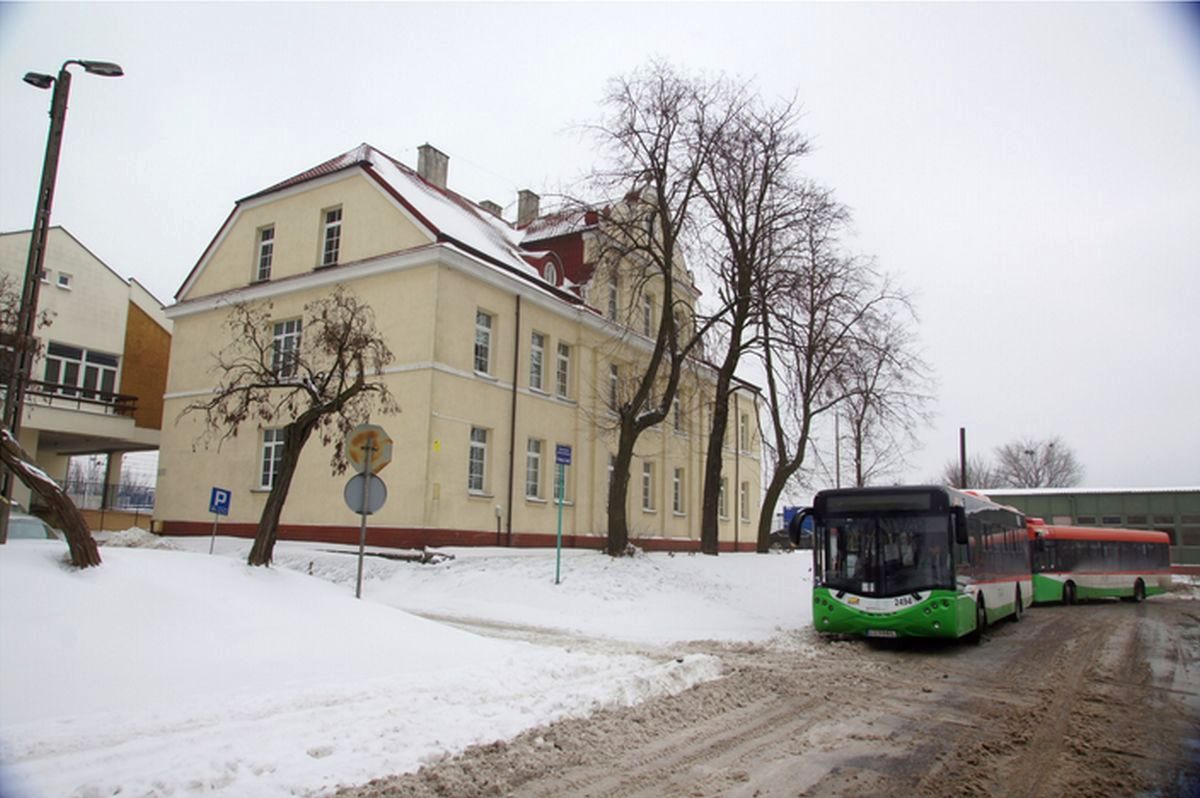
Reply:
x=562, y=454
x=219, y=503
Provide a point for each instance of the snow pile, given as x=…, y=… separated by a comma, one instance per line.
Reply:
x=169, y=672
x=133, y=538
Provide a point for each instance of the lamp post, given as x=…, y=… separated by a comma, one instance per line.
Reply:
x=14, y=398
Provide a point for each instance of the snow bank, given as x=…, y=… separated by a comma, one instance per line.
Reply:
x=167, y=672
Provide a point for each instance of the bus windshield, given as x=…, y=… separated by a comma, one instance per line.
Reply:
x=887, y=555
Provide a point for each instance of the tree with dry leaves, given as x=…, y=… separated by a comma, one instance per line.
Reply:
x=324, y=377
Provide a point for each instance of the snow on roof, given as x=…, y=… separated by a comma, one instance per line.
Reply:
x=452, y=215
x=556, y=224
x=1067, y=491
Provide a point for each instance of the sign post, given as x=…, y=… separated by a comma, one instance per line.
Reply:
x=218, y=505
x=369, y=449
x=562, y=459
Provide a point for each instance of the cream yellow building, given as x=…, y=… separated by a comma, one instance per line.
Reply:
x=97, y=386
x=507, y=346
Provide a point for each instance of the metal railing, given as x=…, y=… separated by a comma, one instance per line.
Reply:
x=88, y=400
x=94, y=494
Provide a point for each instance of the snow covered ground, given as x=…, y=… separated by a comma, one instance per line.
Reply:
x=167, y=671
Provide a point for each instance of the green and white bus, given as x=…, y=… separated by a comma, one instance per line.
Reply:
x=916, y=562
x=1072, y=563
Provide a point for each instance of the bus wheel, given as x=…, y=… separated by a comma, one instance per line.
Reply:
x=1069, y=593
x=1020, y=611
x=1139, y=590
x=980, y=621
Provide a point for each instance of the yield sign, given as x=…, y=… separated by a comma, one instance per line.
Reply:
x=364, y=437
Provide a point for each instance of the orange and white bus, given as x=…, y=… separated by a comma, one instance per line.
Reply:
x=1072, y=563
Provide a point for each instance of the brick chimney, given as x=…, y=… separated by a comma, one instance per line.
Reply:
x=527, y=207
x=491, y=207
x=432, y=164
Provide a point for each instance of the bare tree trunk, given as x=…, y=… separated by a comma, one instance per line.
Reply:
x=295, y=435
x=766, y=518
x=84, y=552
x=713, y=460
x=618, y=489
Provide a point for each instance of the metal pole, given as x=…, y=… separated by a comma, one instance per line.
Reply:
x=558, y=545
x=15, y=395
x=213, y=541
x=837, y=447
x=962, y=457
x=362, y=529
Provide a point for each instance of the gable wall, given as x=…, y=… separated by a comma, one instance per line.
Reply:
x=371, y=225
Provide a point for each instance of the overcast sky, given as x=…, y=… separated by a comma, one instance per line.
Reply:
x=1030, y=172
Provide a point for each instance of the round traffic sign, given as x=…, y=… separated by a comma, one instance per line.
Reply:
x=376, y=495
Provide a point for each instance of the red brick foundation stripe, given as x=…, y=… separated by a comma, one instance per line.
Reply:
x=416, y=538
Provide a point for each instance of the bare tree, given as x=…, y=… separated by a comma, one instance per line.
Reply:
x=811, y=317
x=1030, y=463
x=324, y=379
x=887, y=393
x=752, y=198
x=981, y=473
x=657, y=134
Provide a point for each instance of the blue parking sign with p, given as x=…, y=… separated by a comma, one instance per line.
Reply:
x=219, y=503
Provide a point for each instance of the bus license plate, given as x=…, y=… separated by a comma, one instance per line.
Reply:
x=881, y=633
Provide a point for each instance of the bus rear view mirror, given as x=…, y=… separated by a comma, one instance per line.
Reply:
x=960, y=526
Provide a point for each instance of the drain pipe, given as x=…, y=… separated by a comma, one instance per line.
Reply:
x=512, y=421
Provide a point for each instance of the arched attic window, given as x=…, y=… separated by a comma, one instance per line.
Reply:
x=550, y=273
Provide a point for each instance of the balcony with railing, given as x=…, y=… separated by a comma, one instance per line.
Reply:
x=73, y=397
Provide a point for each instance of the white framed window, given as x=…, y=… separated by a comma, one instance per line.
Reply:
x=613, y=298
x=744, y=502
x=84, y=372
x=332, y=246
x=722, y=504
x=745, y=432
x=648, y=487
x=483, y=342
x=537, y=359
x=533, y=468
x=266, y=253
x=551, y=274
x=477, y=461
x=562, y=488
x=678, y=411
x=677, y=492
x=613, y=380
x=45, y=277
x=562, y=371
x=647, y=314
x=285, y=348
x=64, y=280
x=272, y=457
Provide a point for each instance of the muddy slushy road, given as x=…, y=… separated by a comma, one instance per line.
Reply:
x=1101, y=699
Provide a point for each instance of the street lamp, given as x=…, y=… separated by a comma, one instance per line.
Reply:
x=14, y=397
